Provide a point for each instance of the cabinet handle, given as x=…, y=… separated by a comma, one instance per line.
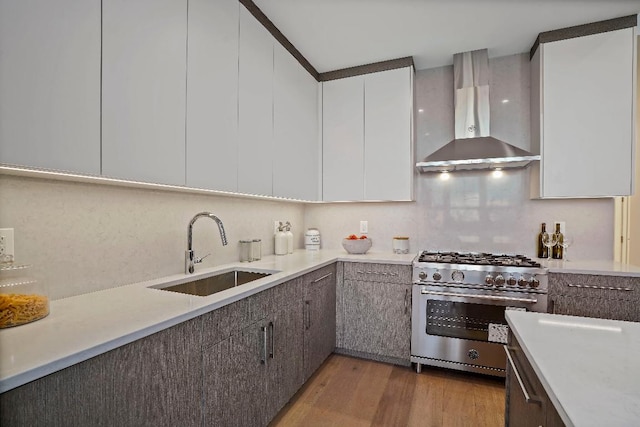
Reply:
x=271, y=331
x=307, y=315
x=552, y=306
x=322, y=278
x=263, y=357
x=484, y=297
x=604, y=288
x=406, y=300
x=527, y=396
x=382, y=273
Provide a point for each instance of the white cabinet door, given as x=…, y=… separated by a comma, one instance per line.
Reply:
x=343, y=139
x=50, y=84
x=295, y=129
x=587, y=115
x=144, y=90
x=388, y=154
x=255, y=144
x=212, y=95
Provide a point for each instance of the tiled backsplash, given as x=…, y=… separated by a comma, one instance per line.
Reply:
x=471, y=212
x=85, y=237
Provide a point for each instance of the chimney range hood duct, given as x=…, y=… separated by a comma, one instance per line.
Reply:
x=473, y=148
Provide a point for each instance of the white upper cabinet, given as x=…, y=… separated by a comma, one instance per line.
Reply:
x=367, y=141
x=255, y=144
x=144, y=90
x=295, y=129
x=582, y=115
x=343, y=139
x=212, y=95
x=50, y=84
x=388, y=154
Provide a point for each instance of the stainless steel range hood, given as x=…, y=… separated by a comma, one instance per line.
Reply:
x=473, y=148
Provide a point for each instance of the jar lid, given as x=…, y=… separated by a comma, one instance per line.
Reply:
x=400, y=238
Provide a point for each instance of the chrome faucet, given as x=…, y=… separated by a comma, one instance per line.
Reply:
x=190, y=259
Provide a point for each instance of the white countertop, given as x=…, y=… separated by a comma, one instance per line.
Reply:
x=87, y=325
x=609, y=268
x=588, y=367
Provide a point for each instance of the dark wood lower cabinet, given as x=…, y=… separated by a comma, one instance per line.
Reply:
x=319, y=318
x=377, y=319
x=527, y=403
x=155, y=381
x=249, y=376
x=235, y=366
x=600, y=296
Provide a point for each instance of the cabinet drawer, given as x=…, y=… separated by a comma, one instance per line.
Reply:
x=371, y=272
x=601, y=308
x=320, y=275
x=276, y=298
x=220, y=324
x=595, y=286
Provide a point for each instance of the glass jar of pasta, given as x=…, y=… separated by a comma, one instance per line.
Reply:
x=22, y=298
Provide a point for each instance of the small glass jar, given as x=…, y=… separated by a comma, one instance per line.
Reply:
x=256, y=250
x=245, y=250
x=22, y=298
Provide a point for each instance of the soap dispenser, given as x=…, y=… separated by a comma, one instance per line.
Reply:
x=280, y=241
x=289, y=236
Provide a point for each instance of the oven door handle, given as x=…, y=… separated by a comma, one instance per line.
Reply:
x=485, y=297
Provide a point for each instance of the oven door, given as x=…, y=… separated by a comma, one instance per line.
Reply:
x=465, y=326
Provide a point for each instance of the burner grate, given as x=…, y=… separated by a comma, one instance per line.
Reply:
x=477, y=258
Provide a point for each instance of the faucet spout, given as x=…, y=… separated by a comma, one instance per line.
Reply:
x=190, y=259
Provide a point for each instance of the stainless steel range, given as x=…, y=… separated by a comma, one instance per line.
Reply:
x=459, y=301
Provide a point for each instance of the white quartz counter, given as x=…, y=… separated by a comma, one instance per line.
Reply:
x=85, y=326
x=588, y=367
x=608, y=268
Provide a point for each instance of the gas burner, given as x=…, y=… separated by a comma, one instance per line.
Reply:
x=477, y=258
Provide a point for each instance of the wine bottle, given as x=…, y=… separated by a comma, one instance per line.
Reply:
x=557, y=251
x=543, y=251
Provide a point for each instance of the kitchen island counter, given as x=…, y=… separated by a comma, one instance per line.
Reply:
x=84, y=326
x=588, y=367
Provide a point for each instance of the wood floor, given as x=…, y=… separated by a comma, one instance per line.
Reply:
x=353, y=392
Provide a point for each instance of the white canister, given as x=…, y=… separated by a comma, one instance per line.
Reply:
x=312, y=239
x=400, y=245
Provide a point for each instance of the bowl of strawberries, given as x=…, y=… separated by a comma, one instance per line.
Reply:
x=357, y=245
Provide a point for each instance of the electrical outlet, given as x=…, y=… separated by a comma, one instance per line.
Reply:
x=364, y=227
x=6, y=244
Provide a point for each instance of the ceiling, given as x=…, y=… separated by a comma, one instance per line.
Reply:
x=336, y=34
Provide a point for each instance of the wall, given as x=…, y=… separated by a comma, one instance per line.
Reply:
x=472, y=211
x=85, y=237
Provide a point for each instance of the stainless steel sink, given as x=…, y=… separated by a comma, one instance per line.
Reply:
x=216, y=283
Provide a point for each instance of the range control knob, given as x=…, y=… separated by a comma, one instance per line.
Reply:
x=457, y=276
x=422, y=275
x=488, y=279
x=534, y=283
x=511, y=281
x=522, y=282
x=437, y=276
x=499, y=280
